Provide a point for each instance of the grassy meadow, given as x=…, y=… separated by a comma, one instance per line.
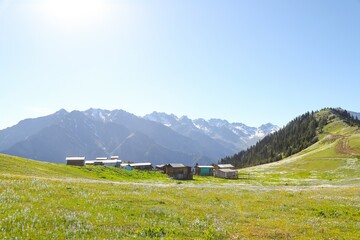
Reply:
x=334, y=160
x=62, y=202
x=38, y=208
x=314, y=194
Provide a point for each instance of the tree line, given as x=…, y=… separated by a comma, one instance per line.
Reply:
x=297, y=135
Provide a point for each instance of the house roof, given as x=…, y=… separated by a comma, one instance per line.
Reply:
x=107, y=161
x=177, y=165
x=227, y=170
x=160, y=166
x=204, y=166
x=110, y=161
x=225, y=166
x=125, y=164
x=101, y=158
x=74, y=158
x=140, y=164
x=135, y=164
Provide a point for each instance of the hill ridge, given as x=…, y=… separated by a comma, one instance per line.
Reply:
x=297, y=135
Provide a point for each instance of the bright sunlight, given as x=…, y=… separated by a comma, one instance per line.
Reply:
x=78, y=13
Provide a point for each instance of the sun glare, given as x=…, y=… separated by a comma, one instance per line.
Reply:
x=76, y=13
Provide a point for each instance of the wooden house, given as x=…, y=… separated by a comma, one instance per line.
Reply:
x=203, y=170
x=225, y=171
x=112, y=163
x=75, y=161
x=138, y=166
x=160, y=168
x=142, y=166
x=104, y=161
x=178, y=171
x=223, y=166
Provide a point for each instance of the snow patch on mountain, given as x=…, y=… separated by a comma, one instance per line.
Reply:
x=238, y=135
x=165, y=119
x=98, y=114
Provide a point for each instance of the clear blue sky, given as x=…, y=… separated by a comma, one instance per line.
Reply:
x=253, y=61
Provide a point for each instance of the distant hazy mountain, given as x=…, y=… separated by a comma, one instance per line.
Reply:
x=232, y=136
x=157, y=138
x=355, y=114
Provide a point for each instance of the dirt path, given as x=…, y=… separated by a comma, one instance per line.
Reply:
x=186, y=184
x=343, y=147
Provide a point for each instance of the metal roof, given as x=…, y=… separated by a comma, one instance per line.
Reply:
x=108, y=161
x=227, y=170
x=177, y=165
x=204, y=166
x=74, y=158
x=125, y=164
x=225, y=166
x=140, y=164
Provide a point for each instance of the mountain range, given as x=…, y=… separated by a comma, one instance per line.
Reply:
x=232, y=136
x=156, y=138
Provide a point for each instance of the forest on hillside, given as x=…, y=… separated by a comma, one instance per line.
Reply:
x=297, y=135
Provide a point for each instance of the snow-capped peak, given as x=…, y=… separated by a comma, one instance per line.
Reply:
x=218, y=122
x=98, y=114
x=163, y=118
x=218, y=129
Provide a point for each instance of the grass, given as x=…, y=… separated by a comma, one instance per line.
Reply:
x=354, y=142
x=24, y=167
x=334, y=160
x=43, y=201
x=42, y=209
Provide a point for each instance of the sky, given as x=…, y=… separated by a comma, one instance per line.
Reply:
x=248, y=61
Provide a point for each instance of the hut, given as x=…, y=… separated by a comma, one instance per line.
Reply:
x=223, y=166
x=112, y=163
x=160, y=168
x=103, y=161
x=75, y=161
x=178, y=171
x=203, y=170
x=225, y=171
x=142, y=166
x=126, y=166
x=138, y=166
x=89, y=162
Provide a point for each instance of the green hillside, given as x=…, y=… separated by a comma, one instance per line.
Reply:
x=297, y=135
x=333, y=159
x=11, y=166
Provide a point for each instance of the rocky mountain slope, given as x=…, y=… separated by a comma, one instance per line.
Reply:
x=96, y=132
x=232, y=136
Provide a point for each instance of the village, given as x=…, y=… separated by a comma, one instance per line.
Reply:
x=176, y=171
